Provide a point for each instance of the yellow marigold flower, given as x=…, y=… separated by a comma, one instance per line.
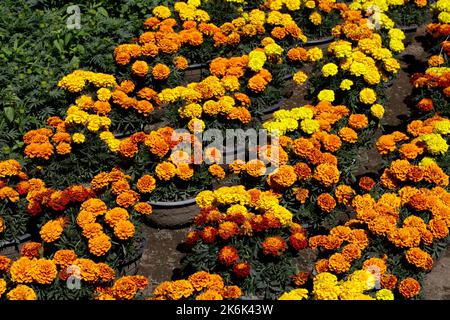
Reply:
x=315, y=54
x=326, y=95
x=315, y=18
x=300, y=77
x=384, y=294
x=435, y=143
x=205, y=199
x=377, y=110
x=273, y=49
x=78, y=138
x=367, y=96
x=310, y=126
x=329, y=69
x=296, y=294
x=346, y=84
x=256, y=60
x=196, y=125
x=161, y=12
x=103, y=94
x=2, y=287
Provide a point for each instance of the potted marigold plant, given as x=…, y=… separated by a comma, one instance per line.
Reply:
x=248, y=238
x=15, y=222
x=96, y=222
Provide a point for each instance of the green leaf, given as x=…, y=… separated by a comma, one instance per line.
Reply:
x=103, y=12
x=9, y=113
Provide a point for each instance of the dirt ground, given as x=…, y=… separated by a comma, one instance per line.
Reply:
x=162, y=257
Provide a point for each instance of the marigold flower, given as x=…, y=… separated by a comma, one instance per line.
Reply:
x=326, y=202
x=327, y=174
x=44, y=271
x=274, y=246
x=419, y=258
x=146, y=184
x=99, y=245
x=143, y=208
x=51, y=231
x=228, y=256
x=64, y=258
x=140, y=68
x=124, y=229
x=22, y=292
x=409, y=288
x=31, y=250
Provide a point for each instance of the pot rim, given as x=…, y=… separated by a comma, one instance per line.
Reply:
x=319, y=41
x=172, y=204
x=18, y=241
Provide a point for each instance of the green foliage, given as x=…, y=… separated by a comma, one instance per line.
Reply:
x=37, y=49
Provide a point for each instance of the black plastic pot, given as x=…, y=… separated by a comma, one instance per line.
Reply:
x=411, y=28
x=11, y=249
x=195, y=72
x=131, y=266
x=316, y=42
x=172, y=214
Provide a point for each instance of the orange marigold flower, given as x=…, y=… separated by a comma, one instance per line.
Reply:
x=274, y=246
x=165, y=171
x=231, y=292
x=31, y=250
x=338, y=263
x=348, y=135
x=298, y=241
x=99, y=245
x=143, y=208
x=64, y=258
x=199, y=280
x=376, y=266
x=124, y=288
x=242, y=270
x=358, y=121
x=21, y=270
x=388, y=281
x=128, y=148
x=146, y=184
x=127, y=198
x=160, y=72
x=217, y=171
x=351, y=252
x=301, y=194
x=228, y=256
x=113, y=216
x=22, y=292
x=366, y=183
x=140, y=68
x=327, y=174
x=51, y=231
x=409, y=288
x=44, y=271
x=419, y=258
x=228, y=230
x=326, y=202
x=124, y=229
x=322, y=266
